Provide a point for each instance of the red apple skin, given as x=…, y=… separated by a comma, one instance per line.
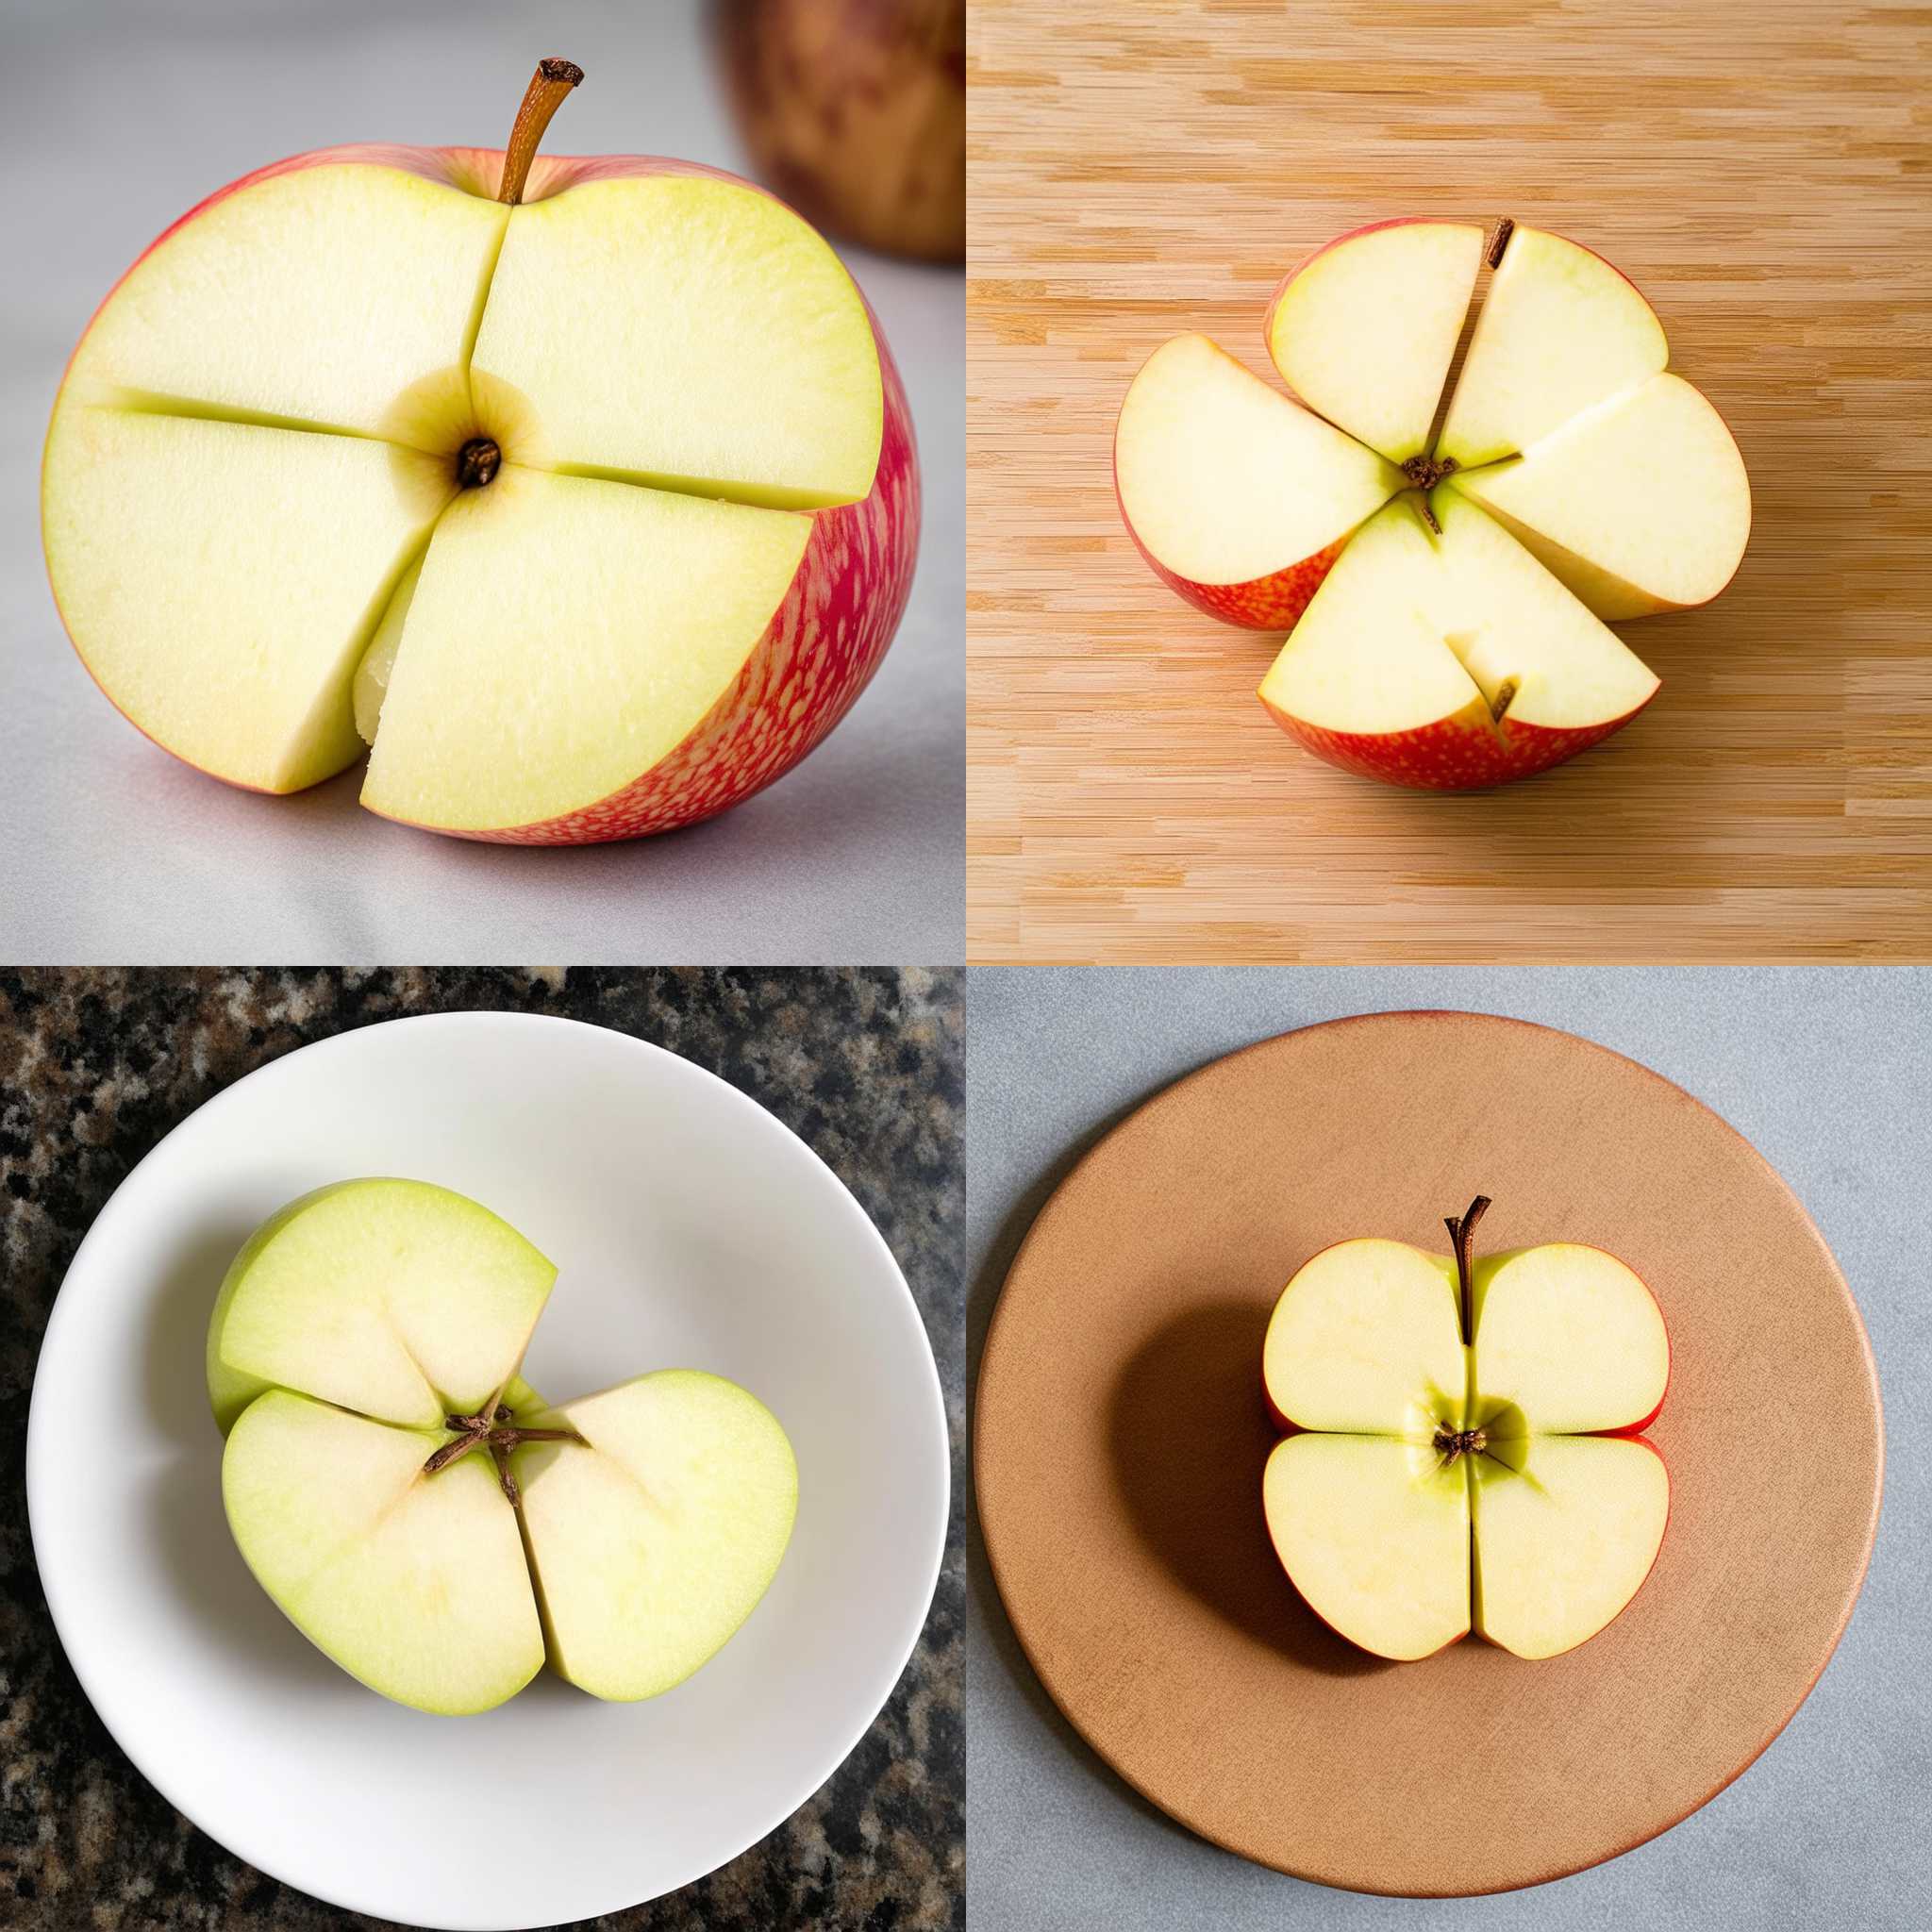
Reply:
x=827, y=638
x=1458, y=753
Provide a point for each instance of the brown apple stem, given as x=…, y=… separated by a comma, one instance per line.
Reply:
x=1463, y=1236
x=1425, y=473
x=1506, y=694
x=1450, y=1443
x=477, y=463
x=487, y=1430
x=1500, y=240
x=552, y=80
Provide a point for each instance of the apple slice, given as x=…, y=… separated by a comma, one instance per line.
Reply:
x=1366, y=1338
x=1559, y=332
x=1365, y=329
x=1639, y=505
x=1374, y=1534
x=1568, y=1339
x=653, y=1539
x=1239, y=500
x=413, y=1582
x=1566, y=1529
x=1449, y=658
x=397, y=1299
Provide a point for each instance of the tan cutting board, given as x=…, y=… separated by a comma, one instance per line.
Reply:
x=1764, y=173
x=1120, y=1436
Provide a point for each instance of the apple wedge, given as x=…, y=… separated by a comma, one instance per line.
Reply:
x=1639, y=505
x=589, y=483
x=1465, y=1452
x=1365, y=329
x=422, y=1516
x=1239, y=500
x=1449, y=657
x=1559, y=332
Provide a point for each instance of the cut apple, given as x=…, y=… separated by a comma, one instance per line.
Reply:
x=312, y=386
x=1641, y=505
x=1239, y=500
x=1426, y=648
x=1442, y=1479
x=422, y=1516
x=1560, y=330
x=1447, y=657
x=1365, y=329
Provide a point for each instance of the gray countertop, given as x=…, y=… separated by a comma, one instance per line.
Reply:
x=1826, y=1071
x=122, y=116
x=97, y=1067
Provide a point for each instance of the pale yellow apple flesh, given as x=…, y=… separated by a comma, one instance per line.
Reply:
x=1567, y=1336
x=1559, y=332
x=1566, y=1529
x=653, y=1539
x=1224, y=480
x=350, y=326
x=1375, y=1534
x=564, y=633
x=1640, y=505
x=394, y=1298
x=1455, y=626
x=413, y=1583
x=1364, y=332
x=1424, y=1461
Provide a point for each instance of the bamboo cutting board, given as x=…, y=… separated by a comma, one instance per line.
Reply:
x=1120, y=1436
x=1763, y=173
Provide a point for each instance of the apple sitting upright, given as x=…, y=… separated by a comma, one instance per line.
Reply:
x=584, y=489
x=422, y=1516
x=1429, y=647
x=1466, y=1449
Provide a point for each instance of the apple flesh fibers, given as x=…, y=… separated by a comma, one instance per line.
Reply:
x=606, y=458
x=1463, y=1456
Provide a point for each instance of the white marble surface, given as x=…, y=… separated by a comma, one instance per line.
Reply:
x=1825, y=1071
x=114, y=119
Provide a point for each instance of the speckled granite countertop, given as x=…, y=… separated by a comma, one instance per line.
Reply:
x=96, y=1066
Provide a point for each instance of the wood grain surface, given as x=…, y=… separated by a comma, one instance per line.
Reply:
x=1120, y=1438
x=1764, y=173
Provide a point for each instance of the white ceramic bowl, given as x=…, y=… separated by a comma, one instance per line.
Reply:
x=691, y=1229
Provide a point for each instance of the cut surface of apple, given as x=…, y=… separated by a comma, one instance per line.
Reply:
x=323, y=379
x=1365, y=329
x=1641, y=505
x=420, y=1512
x=1449, y=657
x=1427, y=649
x=1236, y=496
x=1438, y=1484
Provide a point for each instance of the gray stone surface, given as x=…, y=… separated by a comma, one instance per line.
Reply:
x=1828, y=1071
x=116, y=116
x=97, y=1067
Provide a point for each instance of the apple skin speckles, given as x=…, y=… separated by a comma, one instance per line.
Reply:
x=1270, y=603
x=1459, y=754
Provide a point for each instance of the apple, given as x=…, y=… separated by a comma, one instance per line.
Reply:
x=1465, y=1451
x=422, y=1516
x=855, y=111
x=1429, y=649
x=585, y=489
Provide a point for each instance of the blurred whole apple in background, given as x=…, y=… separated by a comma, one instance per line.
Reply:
x=854, y=111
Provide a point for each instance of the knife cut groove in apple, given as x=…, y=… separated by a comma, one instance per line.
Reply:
x=422, y=1516
x=287, y=408
x=1614, y=487
x=1465, y=1450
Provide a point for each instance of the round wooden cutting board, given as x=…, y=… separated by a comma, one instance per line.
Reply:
x=1120, y=1436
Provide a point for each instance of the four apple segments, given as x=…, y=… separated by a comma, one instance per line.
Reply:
x=1540, y=1537
x=350, y=1329
x=1620, y=480
x=675, y=367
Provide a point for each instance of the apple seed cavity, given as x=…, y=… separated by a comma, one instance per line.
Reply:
x=477, y=463
x=493, y=1428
